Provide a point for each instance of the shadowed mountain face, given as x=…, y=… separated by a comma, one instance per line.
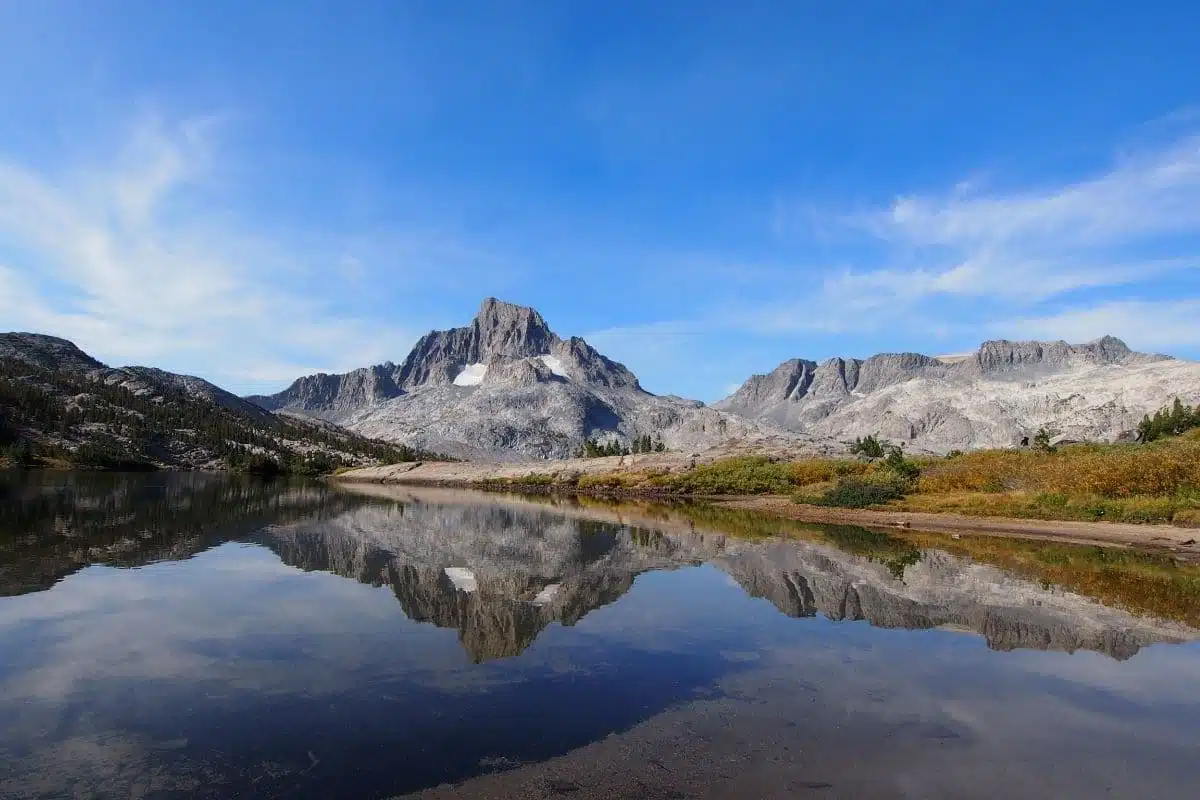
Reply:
x=56, y=355
x=61, y=404
x=499, y=570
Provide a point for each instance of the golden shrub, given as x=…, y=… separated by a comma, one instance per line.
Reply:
x=821, y=470
x=1113, y=471
x=983, y=471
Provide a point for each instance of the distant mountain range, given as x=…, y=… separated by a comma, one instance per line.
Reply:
x=997, y=396
x=506, y=386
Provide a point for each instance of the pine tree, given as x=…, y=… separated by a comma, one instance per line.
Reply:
x=1179, y=419
x=1041, y=441
x=870, y=447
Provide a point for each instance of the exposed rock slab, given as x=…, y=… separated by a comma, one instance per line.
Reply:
x=506, y=386
x=996, y=397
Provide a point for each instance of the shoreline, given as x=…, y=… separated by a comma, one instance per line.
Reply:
x=495, y=478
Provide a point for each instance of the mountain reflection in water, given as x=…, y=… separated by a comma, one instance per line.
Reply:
x=529, y=563
x=497, y=570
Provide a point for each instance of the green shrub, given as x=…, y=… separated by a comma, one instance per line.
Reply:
x=1051, y=500
x=859, y=494
x=1041, y=441
x=312, y=464
x=905, y=470
x=751, y=475
x=109, y=456
x=254, y=464
x=19, y=454
x=869, y=446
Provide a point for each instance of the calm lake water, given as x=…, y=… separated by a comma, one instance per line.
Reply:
x=201, y=636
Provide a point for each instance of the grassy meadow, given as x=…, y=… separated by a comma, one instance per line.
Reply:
x=1151, y=482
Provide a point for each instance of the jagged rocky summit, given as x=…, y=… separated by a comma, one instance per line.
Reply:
x=507, y=386
x=998, y=396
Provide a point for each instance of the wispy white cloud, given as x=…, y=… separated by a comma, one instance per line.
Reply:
x=1057, y=261
x=1148, y=194
x=1136, y=222
x=1145, y=324
x=136, y=261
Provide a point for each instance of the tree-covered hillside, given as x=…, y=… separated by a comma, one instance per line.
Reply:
x=74, y=417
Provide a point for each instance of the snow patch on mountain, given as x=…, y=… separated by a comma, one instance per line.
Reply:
x=555, y=365
x=546, y=596
x=533, y=393
x=471, y=375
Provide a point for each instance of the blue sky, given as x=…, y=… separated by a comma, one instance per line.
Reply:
x=254, y=191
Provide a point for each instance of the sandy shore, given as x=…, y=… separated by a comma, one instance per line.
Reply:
x=468, y=475
x=1101, y=533
x=460, y=473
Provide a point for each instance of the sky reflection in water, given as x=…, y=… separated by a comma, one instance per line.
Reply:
x=168, y=635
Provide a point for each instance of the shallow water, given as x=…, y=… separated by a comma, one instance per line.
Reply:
x=200, y=636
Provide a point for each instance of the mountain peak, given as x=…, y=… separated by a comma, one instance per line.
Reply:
x=506, y=329
x=1005, y=355
x=497, y=314
x=47, y=352
x=1112, y=344
x=493, y=304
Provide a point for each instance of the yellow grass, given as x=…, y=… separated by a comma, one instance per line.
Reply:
x=1156, y=482
x=1027, y=505
x=824, y=470
x=1153, y=483
x=1126, y=470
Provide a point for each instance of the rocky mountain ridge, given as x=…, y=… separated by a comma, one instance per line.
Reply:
x=60, y=355
x=59, y=403
x=997, y=396
x=506, y=386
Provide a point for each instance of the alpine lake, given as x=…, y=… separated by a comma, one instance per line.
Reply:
x=196, y=635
